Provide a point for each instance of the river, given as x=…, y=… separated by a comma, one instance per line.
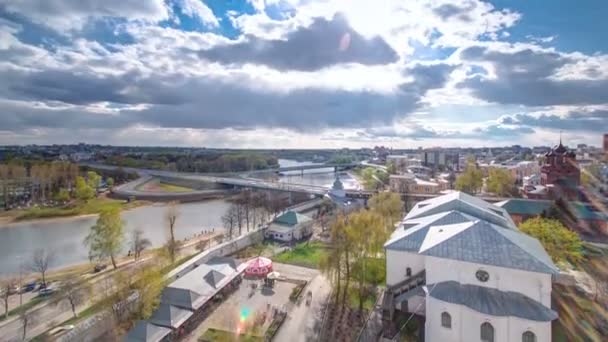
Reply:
x=64, y=237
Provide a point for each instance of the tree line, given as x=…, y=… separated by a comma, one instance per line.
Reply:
x=251, y=208
x=211, y=162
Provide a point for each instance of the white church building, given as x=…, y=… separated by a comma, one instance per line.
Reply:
x=462, y=264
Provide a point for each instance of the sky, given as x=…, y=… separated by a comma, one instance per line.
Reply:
x=303, y=73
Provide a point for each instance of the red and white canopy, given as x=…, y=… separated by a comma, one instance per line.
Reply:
x=258, y=266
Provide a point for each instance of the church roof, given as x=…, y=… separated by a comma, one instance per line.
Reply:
x=291, y=218
x=491, y=301
x=461, y=227
x=561, y=149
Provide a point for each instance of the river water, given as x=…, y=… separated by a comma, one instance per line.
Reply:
x=64, y=237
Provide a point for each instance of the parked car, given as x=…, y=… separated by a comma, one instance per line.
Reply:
x=43, y=286
x=46, y=292
x=99, y=268
x=29, y=287
x=61, y=330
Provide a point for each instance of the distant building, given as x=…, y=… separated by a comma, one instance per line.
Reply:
x=463, y=264
x=559, y=174
x=290, y=226
x=403, y=162
x=438, y=158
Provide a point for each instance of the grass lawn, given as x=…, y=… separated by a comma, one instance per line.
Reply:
x=173, y=188
x=216, y=335
x=33, y=302
x=93, y=206
x=304, y=254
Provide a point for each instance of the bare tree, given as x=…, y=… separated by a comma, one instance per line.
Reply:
x=139, y=243
x=171, y=216
x=6, y=286
x=74, y=294
x=230, y=219
x=26, y=317
x=41, y=261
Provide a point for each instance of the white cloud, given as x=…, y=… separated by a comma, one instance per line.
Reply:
x=197, y=9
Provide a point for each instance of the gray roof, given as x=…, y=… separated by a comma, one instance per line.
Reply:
x=491, y=301
x=169, y=316
x=485, y=243
x=213, y=278
x=182, y=298
x=146, y=332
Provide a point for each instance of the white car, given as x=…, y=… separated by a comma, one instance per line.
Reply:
x=61, y=329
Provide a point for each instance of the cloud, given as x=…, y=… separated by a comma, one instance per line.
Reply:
x=527, y=77
x=591, y=121
x=322, y=44
x=197, y=9
x=65, y=15
x=448, y=11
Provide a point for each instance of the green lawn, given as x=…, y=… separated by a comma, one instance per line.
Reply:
x=93, y=206
x=173, y=188
x=215, y=335
x=304, y=254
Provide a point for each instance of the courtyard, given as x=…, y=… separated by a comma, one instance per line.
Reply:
x=249, y=311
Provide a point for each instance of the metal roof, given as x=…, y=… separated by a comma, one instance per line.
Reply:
x=291, y=218
x=169, y=316
x=146, y=332
x=491, y=301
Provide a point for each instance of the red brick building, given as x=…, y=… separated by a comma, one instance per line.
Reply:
x=560, y=173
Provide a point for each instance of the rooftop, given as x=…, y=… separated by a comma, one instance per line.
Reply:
x=291, y=218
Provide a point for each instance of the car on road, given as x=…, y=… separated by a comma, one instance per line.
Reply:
x=99, y=267
x=46, y=292
x=61, y=330
x=31, y=286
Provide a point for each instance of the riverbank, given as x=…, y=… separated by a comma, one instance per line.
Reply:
x=76, y=209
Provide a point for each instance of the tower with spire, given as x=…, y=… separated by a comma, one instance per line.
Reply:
x=561, y=171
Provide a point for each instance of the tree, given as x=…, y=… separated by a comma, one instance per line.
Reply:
x=41, y=261
x=106, y=237
x=560, y=243
x=27, y=317
x=74, y=293
x=591, y=174
x=63, y=195
x=6, y=286
x=149, y=285
x=139, y=243
x=93, y=180
x=391, y=168
x=229, y=219
x=171, y=216
x=83, y=191
x=471, y=180
x=500, y=182
x=110, y=182
x=388, y=206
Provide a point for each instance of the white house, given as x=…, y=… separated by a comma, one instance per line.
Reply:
x=289, y=226
x=463, y=264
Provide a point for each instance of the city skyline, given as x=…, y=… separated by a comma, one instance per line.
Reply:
x=303, y=74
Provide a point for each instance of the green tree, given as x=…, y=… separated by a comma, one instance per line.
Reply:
x=561, y=243
x=110, y=182
x=93, y=180
x=500, y=182
x=149, y=285
x=106, y=237
x=471, y=180
x=83, y=191
x=391, y=168
x=389, y=207
x=63, y=195
x=591, y=174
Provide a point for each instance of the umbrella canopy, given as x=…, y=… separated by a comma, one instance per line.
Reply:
x=259, y=266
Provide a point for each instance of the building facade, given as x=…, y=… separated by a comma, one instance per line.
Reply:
x=462, y=264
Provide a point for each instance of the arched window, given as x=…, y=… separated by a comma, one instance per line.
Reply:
x=446, y=320
x=487, y=332
x=528, y=336
x=408, y=272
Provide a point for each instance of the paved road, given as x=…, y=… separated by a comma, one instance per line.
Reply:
x=303, y=322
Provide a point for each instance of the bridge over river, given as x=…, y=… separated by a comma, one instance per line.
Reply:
x=235, y=180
